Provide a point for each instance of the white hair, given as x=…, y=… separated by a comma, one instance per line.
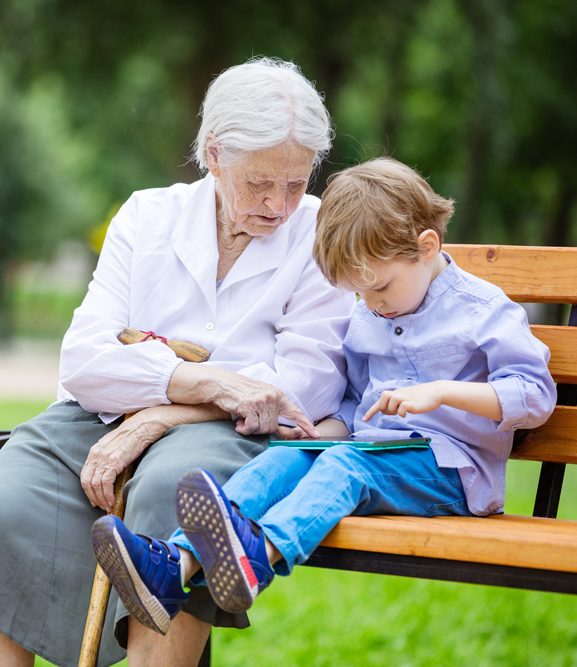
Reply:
x=261, y=104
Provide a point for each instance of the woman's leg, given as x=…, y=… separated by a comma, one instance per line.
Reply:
x=13, y=655
x=344, y=481
x=47, y=566
x=182, y=646
x=150, y=510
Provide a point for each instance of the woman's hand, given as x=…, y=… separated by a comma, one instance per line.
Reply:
x=259, y=412
x=254, y=405
x=112, y=453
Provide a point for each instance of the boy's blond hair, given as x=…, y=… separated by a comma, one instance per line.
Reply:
x=375, y=211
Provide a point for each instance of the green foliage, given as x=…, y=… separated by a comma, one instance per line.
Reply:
x=477, y=95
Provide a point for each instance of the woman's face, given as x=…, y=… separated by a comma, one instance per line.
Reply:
x=257, y=195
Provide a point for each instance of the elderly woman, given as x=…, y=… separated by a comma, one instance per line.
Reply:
x=226, y=263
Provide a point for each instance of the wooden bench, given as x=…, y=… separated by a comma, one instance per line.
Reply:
x=536, y=552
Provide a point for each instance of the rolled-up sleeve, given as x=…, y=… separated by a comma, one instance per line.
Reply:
x=518, y=367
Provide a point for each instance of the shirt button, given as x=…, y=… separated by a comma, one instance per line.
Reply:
x=210, y=326
x=398, y=331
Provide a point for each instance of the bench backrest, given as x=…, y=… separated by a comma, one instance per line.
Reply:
x=539, y=275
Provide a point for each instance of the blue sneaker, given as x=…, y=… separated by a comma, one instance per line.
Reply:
x=231, y=547
x=145, y=572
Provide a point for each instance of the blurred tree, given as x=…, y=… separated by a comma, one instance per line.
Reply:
x=97, y=100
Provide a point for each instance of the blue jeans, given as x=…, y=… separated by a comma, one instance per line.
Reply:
x=298, y=497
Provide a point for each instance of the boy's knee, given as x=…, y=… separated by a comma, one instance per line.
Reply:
x=276, y=461
x=281, y=453
x=339, y=456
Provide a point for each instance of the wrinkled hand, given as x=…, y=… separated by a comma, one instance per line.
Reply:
x=113, y=452
x=256, y=406
x=416, y=399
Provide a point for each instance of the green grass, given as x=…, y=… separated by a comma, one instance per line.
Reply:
x=13, y=413
x=321, y=618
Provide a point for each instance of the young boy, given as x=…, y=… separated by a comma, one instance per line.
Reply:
x=431, y=350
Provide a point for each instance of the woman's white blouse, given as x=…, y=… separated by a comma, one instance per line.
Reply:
x=273, y=318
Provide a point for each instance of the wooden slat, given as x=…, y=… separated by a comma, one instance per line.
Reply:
x=545, y=544
x=562, y=341
x=525, y=273
x=554, y=441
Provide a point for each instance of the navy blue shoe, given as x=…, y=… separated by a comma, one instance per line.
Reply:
x=145, y=572
x=231, y=547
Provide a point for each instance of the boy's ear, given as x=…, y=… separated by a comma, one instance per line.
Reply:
x=429, y=244
x=212, y=153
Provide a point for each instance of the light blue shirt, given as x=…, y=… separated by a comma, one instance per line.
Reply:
x=465, y=329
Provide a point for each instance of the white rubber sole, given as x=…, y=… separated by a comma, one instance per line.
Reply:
x=204, y=518
x=117, y=564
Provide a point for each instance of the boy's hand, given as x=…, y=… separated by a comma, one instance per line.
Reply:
x=416, y=399
x=479, y=398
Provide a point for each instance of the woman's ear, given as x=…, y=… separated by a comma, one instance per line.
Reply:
x=212, y=153
x=429, y=244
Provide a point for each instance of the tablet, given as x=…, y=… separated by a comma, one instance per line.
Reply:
x=368, y=445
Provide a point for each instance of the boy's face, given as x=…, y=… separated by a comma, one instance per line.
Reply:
x=400, y=285
x=398, y=288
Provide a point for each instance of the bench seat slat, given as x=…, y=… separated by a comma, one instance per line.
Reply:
x=534, y=542
x=554, y=441
x=525, y=273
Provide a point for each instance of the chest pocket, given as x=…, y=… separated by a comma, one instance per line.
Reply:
x=444, y=361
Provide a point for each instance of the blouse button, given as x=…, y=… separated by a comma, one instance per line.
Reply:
x=210, y=326
x=398, y=331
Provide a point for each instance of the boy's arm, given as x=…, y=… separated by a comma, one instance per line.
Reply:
x=478, y=398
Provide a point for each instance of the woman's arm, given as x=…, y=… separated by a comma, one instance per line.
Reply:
x=255, y=405
x=95, y=368
x=112, y=453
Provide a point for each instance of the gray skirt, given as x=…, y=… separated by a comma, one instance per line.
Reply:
x=46, y=560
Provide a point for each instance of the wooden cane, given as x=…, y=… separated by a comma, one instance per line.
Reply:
x=101, y=584
x=101, y=587
x=182, y=348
